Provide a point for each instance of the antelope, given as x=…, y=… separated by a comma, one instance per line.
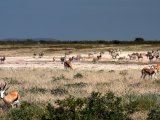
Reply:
x=96, y=59
x=54, y=59
x=139, y=56
x=152, y=71
x=79, y=57
x=3, y=58
x=11, y=98
x=132, y=56
x=67, y=64
x=63, y=59
x=114, y=55
x=34, y=55
x=99, y=56
x=41, y=54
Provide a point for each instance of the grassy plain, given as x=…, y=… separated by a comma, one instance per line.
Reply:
x=46, y=85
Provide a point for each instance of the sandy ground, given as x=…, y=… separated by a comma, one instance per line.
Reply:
x=106, y=63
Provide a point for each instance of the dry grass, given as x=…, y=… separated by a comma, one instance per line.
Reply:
x=43, y=85
x=35, y=84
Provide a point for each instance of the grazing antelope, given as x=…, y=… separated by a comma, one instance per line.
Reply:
x=63, y=59
x=114, y=55
x=41, y=54
x=67, y=64
x=3, y=58
x=11, y=98
x=149, y=71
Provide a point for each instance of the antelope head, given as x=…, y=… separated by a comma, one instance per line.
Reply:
x=3, y=89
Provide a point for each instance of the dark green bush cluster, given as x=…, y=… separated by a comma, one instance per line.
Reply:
x=154, y=114
x=78, y=75
x=94, y=107
x=27, y=111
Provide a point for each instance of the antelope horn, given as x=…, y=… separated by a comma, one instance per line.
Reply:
x=7, y=88
x=4, y=86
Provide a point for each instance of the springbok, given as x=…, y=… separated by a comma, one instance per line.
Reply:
x=41, y=54
x=3, y=58
x=11, y=98
x=67, y=64
x=99, y=56
x=96, y=59
x=152, y=72
x=139, y=56
x=63, y=59
x=114, y=55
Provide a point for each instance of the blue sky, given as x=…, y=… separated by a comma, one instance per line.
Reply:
x=80, y=19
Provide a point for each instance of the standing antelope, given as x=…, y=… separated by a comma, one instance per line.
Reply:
x=67, y=64
x=11, y=98
x=96, y=59
x=3, y=58
x=54, y=59
x=152, y=71
x=99, y=56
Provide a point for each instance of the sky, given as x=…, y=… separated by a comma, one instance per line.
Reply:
x=80, y=19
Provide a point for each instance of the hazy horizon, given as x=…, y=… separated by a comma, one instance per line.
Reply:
x=80, y=19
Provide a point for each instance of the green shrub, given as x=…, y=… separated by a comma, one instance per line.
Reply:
x=95, y=107
x=59, y=91
x=154, y=114
x=78, y=75
x=27, y=111
x=145, y=101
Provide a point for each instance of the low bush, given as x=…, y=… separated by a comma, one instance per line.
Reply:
x=78, y=75
x=59, y=91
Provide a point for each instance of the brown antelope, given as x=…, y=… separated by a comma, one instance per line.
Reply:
x=11, y=98
x=67, y=64
x=3, y=58
x=152, y=71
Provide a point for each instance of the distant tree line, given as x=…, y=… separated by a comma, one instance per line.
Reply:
x=30, y=41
